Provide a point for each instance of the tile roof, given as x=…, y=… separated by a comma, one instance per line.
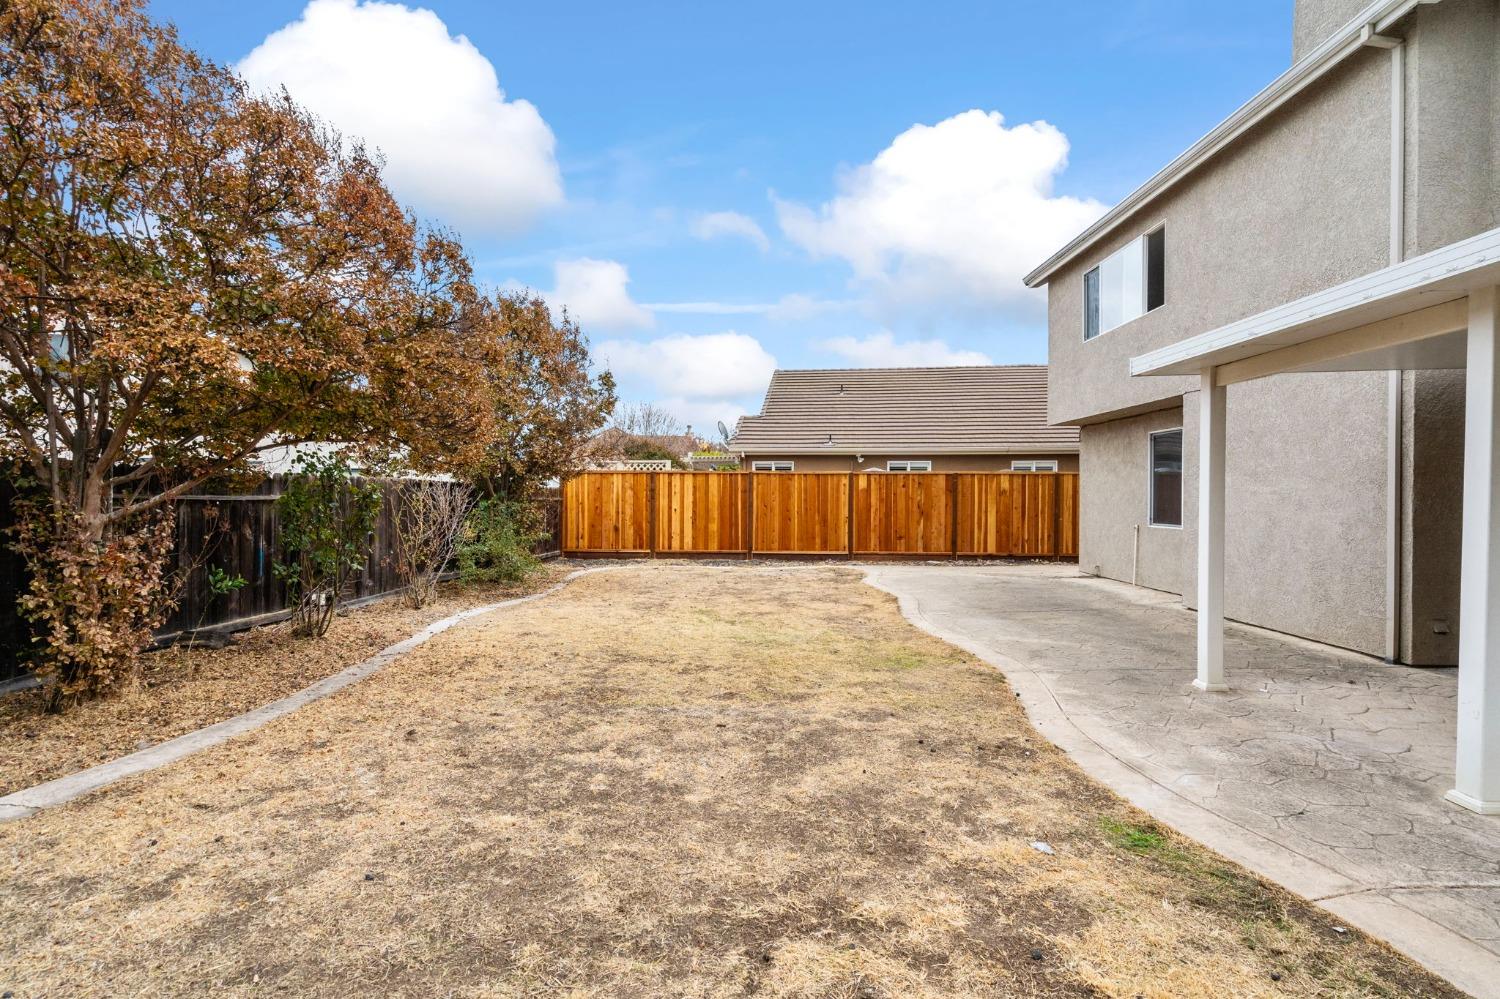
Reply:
x=974, y=410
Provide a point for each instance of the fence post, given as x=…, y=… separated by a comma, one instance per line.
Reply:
x=953, y=511
x=849, y=518
x=651, y=513
x=750, y=514
x=1057, y=508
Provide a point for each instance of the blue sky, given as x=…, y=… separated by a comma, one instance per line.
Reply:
x=716, y=189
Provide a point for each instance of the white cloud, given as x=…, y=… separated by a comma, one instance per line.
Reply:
x=712, y=308
x=717, y=224
x=882, y=350
x=428, y=100
x=795, y=307
x=595, y=293
x=710, y=366
x=950, y=216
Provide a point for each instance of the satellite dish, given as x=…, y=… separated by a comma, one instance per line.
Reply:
x=723, y=431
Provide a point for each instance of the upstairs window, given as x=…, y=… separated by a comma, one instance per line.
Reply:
x=1130, y=282
x=1166, y=479
x=908, y=466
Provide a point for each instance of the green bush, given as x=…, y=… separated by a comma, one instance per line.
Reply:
x=327, y=516
x=497, y=543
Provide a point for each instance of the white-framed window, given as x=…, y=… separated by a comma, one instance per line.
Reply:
x=908, y=466
x=1034, y=465
x=1126, y=285
x=1166, y=479
x=772, y=466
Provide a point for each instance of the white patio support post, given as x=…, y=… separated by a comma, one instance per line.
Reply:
x=1477, y=773
x=1210, y=534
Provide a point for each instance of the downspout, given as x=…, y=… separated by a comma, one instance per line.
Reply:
x=1395, y=380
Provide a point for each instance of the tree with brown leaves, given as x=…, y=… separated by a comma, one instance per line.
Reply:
x=190, y=275
x=548, y=402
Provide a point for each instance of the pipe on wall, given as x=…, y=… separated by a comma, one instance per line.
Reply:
x=1395, y=402
x=1395, y=382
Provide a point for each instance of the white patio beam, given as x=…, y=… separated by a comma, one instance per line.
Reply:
x=1211, y=396
x=1397, y=331
x=1476, y=784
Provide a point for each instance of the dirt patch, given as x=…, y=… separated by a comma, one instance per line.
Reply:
x=185, y=688
x=666, y=780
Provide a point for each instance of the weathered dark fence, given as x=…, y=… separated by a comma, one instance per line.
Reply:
x=15, y=636
x=239, y=534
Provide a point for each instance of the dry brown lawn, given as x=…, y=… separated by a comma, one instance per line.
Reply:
x=666, y=780
x=185, y=688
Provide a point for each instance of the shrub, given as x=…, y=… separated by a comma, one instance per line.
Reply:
x=326, y=517
x=497, y=543
x=93, y=602
x=430, y=519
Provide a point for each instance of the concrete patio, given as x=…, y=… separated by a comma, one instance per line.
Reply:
x=1321, y=769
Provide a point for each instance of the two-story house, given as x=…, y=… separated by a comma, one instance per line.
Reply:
x=1280, y=352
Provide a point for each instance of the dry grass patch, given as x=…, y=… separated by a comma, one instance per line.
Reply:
x=186, y=688
x=667, y=780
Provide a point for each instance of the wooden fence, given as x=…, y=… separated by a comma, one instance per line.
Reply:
x=930, y=514
x=238, y=533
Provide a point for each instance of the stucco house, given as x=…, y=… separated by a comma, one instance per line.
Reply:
x=990, y=418
x=1281, y=354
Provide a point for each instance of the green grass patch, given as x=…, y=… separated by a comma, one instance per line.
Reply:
x=1136, y=839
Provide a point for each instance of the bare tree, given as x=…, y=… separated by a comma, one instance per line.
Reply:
x=430, y=518
x=644, y=419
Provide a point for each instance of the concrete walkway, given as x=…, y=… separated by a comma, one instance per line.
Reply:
x=1320, y=769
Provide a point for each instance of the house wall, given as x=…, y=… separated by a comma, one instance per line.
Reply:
x=1114, y=490
x=1300, y=203
x=1432, y=514
x=940, y=462
x=1453, y=134
x=1313, y=21
x=1297, y=204
x=1305, y=528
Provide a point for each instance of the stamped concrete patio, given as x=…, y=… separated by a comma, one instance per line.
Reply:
x=1321, y=769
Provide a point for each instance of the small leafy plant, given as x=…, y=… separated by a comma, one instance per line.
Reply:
x=327, y=516
x=497, y=543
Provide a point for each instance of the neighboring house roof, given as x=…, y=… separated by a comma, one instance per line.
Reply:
x=919, y=411
x=1363, y=30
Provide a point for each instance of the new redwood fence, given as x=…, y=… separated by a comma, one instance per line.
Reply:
x=953, y=514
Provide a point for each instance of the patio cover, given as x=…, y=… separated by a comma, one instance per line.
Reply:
x=1438, y=310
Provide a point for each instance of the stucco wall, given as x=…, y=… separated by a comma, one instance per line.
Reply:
x=1114, y=489
x=1314, y=20
x=940, y=462
x=1305, y=533
x=1298, y=204
x=1452, y=110
x=1305, y=528
x=1432, y=515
